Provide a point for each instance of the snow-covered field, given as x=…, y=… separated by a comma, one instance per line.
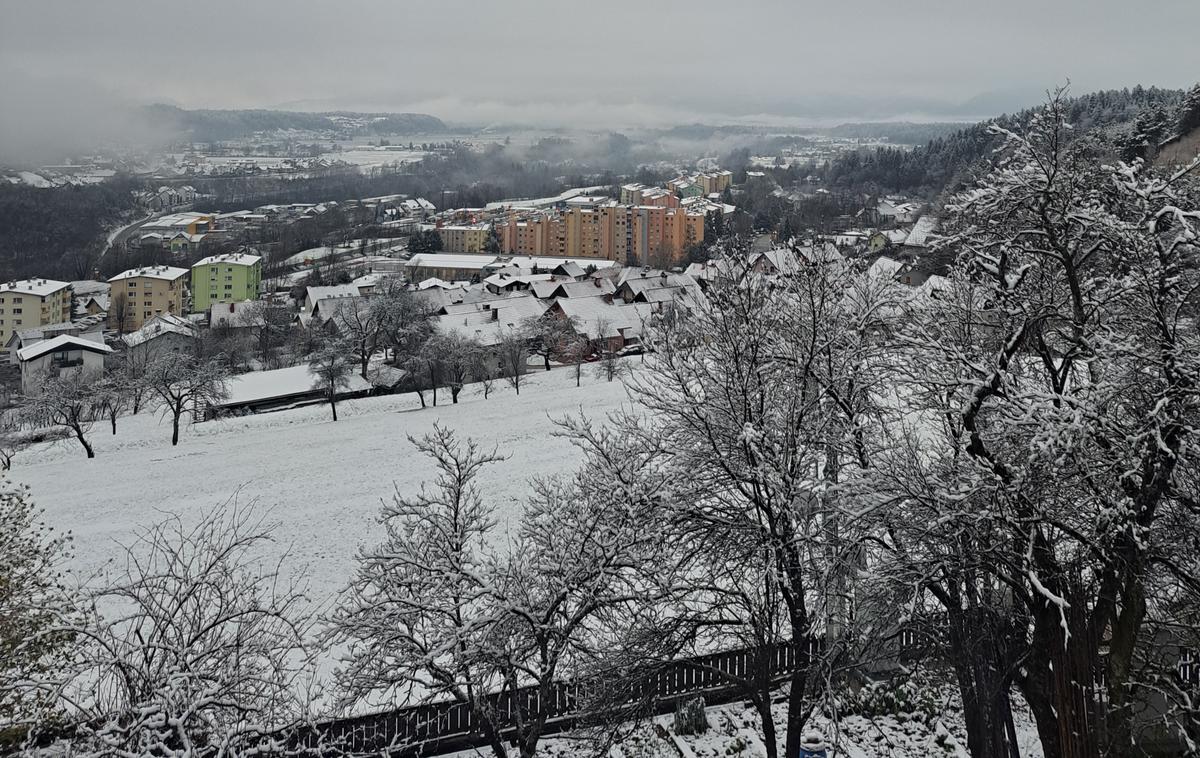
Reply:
x=322, y=481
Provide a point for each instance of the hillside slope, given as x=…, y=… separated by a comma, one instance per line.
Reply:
x=324, y=482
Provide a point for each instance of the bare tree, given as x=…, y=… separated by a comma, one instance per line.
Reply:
x=547, y=335
x=268, y=325
x=610, y=365
x=513, y=352
x=576, y=352
x=121, y=311
x=458, y=358
x=331, y=371
x=413, y=615
x=198, y=642
x=360, y=324
x=184, y=382
x=127, y=367
x=67, y=401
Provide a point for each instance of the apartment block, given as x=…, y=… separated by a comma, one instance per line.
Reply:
x=464, y=238
x=32, y=302
x=140, y=294
x=231, y=278
x=604, y=229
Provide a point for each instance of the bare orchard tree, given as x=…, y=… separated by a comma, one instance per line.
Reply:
x=575, y=352
x=458, y=357
x=433, y=613
x=13, y=438
x=112, y=396
x=403, y=320
x=547, y=335
x=269, y=326
x=427, y=366
x=610, y=366
x=359, y=323
x=68, y=402
x=331, y=371
x=182, y=383
x=414, y=616
x=484, y=370
x=128, y=368
x=513, y=351
x=197, y=645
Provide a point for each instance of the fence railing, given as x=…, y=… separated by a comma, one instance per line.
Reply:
x=431, y=728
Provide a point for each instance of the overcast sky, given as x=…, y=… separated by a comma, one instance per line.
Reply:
x=610, y=63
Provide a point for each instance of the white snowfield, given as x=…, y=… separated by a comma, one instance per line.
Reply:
x=324, y=482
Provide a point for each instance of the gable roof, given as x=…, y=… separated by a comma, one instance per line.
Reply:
x=61, y=342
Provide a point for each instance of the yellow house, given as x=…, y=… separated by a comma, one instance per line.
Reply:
x=32, y=302
x=140, y=294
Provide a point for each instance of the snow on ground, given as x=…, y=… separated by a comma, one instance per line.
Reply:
x=734, y=732
x=323, y=481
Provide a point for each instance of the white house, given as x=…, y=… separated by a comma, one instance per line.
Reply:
x=50, y=358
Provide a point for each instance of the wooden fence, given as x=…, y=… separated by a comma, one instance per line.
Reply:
x=441, y=727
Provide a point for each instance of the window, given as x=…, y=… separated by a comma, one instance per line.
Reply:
x=16, y=310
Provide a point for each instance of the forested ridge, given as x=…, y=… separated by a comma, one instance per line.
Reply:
x=945, y=162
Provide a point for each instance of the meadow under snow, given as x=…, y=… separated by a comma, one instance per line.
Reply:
x=323, y=482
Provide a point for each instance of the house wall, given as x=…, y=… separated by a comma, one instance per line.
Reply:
x=50, y=365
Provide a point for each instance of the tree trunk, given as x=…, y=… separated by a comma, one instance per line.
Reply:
x=113, y=419
x=978, y=652
x=454, y=390
x=175, y=425
x=547, y=359
x=333, y=405
x=1060, y=687
x=83, y=441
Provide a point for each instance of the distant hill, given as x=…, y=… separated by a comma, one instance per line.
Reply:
x=215, y=125
x=946, y=161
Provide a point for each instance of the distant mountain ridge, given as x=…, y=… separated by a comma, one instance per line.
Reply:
x=215, y=125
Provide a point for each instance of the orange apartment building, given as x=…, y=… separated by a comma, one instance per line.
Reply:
x=635, y=234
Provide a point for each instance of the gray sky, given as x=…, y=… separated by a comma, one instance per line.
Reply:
x=614, y=63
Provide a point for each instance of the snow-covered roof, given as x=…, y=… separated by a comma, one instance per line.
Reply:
x=264, y=385
x=166, y=323
x=597, y=318
x=919, y=236
x=464, y=261
x=38, y=287
x=314, y=295
x=507, y=280
x=538, y=261
x=61, y=342
x=168, y=273
x=885, y=267
x=231, y=259
x=234, y=314
x=86, y=287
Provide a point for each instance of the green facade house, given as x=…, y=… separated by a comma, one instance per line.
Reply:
x=229, y=278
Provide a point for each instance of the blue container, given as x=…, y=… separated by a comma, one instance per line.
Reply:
x=812, y=745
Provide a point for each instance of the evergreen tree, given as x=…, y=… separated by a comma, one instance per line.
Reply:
x=1189, y=112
